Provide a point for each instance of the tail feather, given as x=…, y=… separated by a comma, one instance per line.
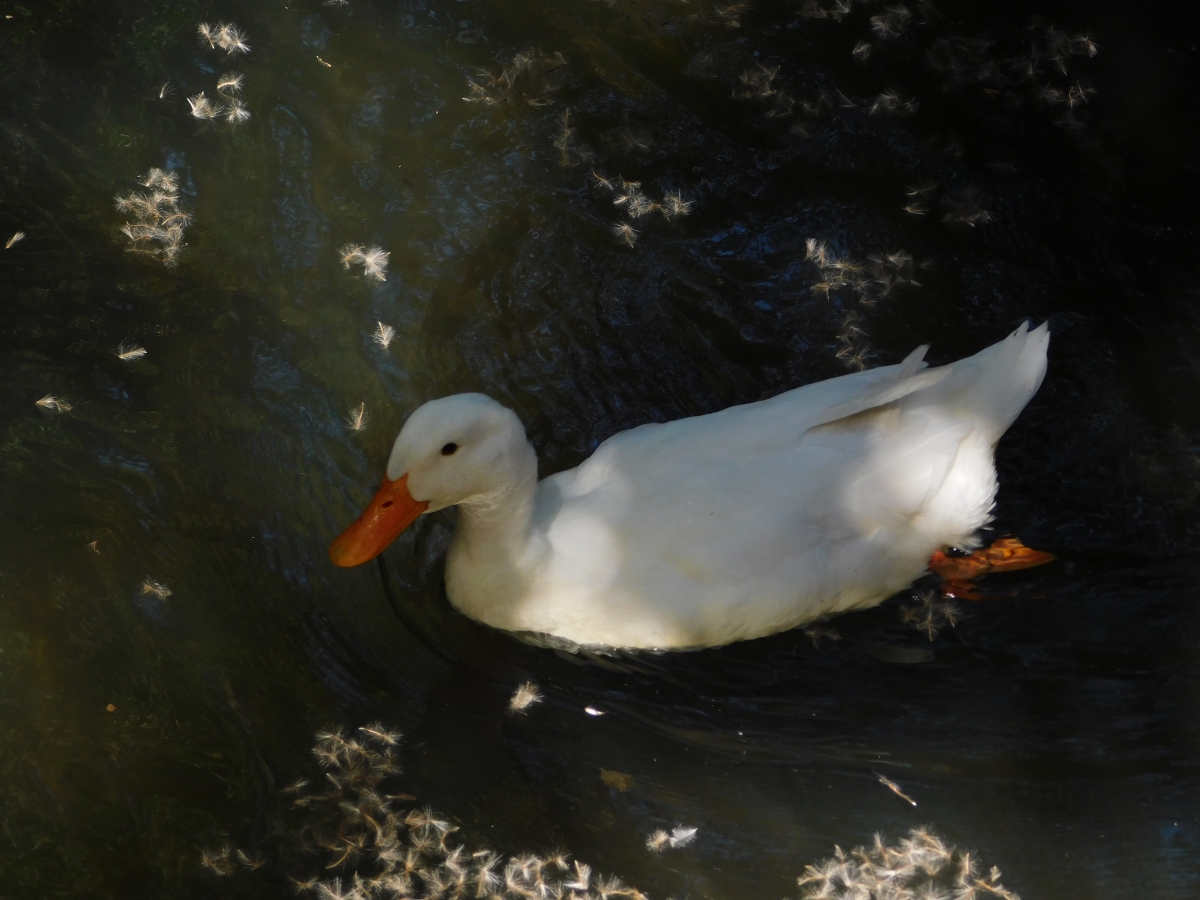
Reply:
x=994, y=385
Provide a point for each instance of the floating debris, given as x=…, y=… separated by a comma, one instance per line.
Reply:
x=819, y=633
x=658, y=841
x=250, y=861
x=375, y=263
x=920, y=867
x=682, y=835
x=159, y=223
x=374, y=260
x=674, y=204
x=226, y=37
x=759, y=82
x=592, y=711
x=679, y=836
x=383, y=335
x=367, y=844
x=618, y=780
x=966, y=208
x=872, y=279
x=389, y=737
x=236, y=112
x=129, y=351
x=893, y=103
x=231, y=83
x=524, y=697
x=358, y=418
x=15, y=239
x=218, y=861
x=895, y=789
x=203, y=108
x=54, y=404
x=155, y=588
x=528, y=79
x=731, y=15
x=931, y=614
x=892, y=23
x=625, y=232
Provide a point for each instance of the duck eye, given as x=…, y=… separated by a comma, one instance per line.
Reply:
x=449, y=449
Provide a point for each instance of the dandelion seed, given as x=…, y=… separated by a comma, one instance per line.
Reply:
x=15, y=239
x=94, y=546
x=1050, y=95
x=674, y=205
x=327, y=65
x=861, y=50
x=358, y=418
x=208, y=34
x=155, y=588
x=217, y=861
x=592, y=711
x=375, y=262
x=818, y=633
x=130, y=351
x=658, y=841
x=966, y=209
x=731, y=15
x=203, y=108
x=351, y=254
x=625, y=232
x=237, y=112
x=387, y=736
x=249, y=861
x=639, y=205
x=231, y=39
x=165, y=91
x=159, y=220
x=230, y=83
x=600, y=181
x=817, y=251
x=895, y=789
x=582, y=879
x=383, y=335
x=165, y=184
x=1079, y=93
x=524, y=697
x=54, y=404
x=916, y=209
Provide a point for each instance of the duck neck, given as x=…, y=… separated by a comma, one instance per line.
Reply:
x=496, y=524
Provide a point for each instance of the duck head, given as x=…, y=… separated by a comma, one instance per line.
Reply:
x=465, y=448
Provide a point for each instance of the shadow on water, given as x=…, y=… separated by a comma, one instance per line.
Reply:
x=172, y=635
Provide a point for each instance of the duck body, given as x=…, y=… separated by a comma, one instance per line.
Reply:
x=723, y=527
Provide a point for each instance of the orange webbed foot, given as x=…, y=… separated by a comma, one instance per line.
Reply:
x=1007, y=554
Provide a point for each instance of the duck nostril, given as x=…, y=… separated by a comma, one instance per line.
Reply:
x=387, y=503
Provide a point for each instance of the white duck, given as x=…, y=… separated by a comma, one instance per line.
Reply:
x=716, y=528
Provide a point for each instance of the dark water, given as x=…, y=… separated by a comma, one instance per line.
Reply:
x=1054, y=731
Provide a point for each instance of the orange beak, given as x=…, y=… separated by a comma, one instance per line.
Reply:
x=392, y=510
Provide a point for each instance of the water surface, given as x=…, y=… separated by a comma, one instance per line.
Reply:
x=1053, y=731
